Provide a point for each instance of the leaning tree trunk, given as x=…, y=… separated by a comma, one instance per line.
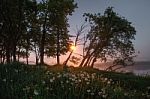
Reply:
x=94, y=60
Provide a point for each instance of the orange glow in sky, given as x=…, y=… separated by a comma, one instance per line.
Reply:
x=72, y=47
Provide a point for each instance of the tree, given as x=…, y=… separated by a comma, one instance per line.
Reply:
x=13, y=25
x=110, y=36
x=53, y=17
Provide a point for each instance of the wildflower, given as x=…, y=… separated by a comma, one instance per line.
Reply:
x=79, y=80
x=106, y=79
x=6, y=70
x=16, y=70
x=126, y=94
x=108, y=82
x=51, y=80
x=58, y=76
x=92, y=93
x=99, y=93
x=87, y=83
x=88, y=90
x=86, y=79
x=104, y=96
x=148, y=96
x=47, y=72
x=36, y=92
x=4, y=80
x=51, y=89
x=43, y=82
x=148, y=87
x=47, y=88
x=67, y=81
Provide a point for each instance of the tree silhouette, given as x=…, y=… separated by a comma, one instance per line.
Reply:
x=110, y=36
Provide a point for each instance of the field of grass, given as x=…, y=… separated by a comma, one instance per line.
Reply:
x=19, y=81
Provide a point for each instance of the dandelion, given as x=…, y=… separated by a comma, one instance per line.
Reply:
x=104, y=96
x=16, y=70
x=148, y=87
x=86, y=79
x=108, y=82
x=67, y=81
x=79, y=80
x=43, y=82
x=51, y=89
x=92, y=93
x=126, y=94
x=106, y=79
x=47, y=88
x=36, y=92
x=99, y=93
x=47, y=72
x=4, y=80
x=58, y=76
x=6, y=70
x=88, y=90
x=148, y=96
x=87, y=83
x=51, y=80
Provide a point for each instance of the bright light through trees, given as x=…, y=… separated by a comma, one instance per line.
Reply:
x=72, y=47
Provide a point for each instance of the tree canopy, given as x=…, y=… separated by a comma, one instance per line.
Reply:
x=110, y=36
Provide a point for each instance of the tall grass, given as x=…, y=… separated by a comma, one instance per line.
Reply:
x=19, y=81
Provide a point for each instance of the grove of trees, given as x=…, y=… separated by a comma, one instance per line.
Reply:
x=28, y=26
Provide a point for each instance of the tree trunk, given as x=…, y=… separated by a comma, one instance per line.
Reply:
x=14, y=53
x=58, y=48
x=7, y=54
x=94, y=60
x=37, y=60
x=89, y=62
x=43, y=43
x=27, y=60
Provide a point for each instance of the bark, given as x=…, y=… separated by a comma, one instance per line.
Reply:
x=43, y=42
x=58, y=47
x=14, y=53
x=27, y=60
x=94, y=60
x=7, y=55
x=89, y=62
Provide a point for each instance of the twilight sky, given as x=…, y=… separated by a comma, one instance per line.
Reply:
x=135, y=11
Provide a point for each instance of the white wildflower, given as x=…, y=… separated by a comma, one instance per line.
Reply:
x=104, y=96
x=16, y=70
x=79, y=80
x=51, y=80
x=67, y=81
x=36, y=92
x=92, y=93
x=43, y=82
x=4, y=80
x=88, y=90
x=87, y=83
x=99, y=93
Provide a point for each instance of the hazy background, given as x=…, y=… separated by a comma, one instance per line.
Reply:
x=135, y=11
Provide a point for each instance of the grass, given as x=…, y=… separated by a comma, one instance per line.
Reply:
x=19, y=81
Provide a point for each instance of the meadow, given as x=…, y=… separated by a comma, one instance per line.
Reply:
x=20, y=81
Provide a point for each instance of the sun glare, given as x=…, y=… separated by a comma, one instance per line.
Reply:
x=73, y=47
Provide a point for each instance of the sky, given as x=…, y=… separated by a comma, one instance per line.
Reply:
x=135, y=11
